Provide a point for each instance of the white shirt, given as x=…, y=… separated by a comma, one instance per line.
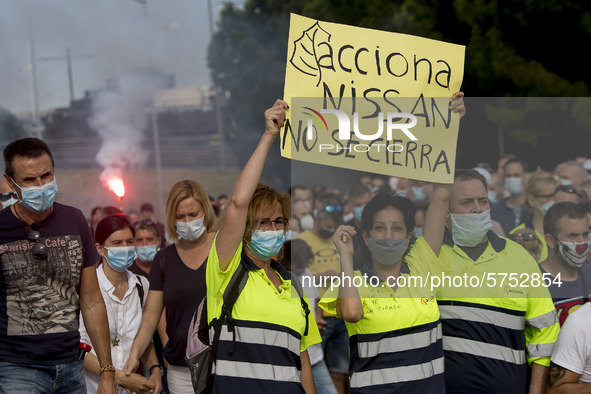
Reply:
x=573, y=346
x=125, y=319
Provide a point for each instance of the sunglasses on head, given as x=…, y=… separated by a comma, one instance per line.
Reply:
x=7, y=196
x=39, y=249
x=569, y=189
x=526, y=237
x=333, y=208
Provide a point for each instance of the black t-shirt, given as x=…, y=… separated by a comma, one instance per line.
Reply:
x=568, y=296
x=40, y=298
x=183, y=288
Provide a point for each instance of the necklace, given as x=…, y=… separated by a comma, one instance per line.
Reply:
x=115, y=341
x=19, y=217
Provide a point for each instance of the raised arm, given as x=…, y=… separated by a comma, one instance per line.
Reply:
x=434, y=226
x=349, y=306
x=435, y=216
x=234, y=219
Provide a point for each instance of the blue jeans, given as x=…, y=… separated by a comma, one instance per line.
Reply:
x=41, y=379
x=322, y=379
x=335, y=342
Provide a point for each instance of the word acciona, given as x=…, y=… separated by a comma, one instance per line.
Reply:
x=509, y=282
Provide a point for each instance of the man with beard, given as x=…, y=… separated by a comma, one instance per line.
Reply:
x=566, y=231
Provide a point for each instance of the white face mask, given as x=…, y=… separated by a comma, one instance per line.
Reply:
x=307, y=223
x=468, y=229
x=190, y=231
x=573, y=253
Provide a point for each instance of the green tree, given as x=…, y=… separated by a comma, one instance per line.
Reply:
x=10, y=127
x=518, y=48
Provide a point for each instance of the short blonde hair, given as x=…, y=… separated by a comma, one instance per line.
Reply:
x=536, y=181
x=180, y=191
x=263, y=199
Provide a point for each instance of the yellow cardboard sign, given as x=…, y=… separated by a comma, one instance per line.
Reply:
x=371, y=100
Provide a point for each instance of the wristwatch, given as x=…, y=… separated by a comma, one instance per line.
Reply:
x=157, y=366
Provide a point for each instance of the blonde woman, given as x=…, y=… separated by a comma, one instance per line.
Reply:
x=177, y=280
x=263, y=344
x=539, y=197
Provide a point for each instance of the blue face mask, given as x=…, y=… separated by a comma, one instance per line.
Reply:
x=120, y=258
x=492, y=197
x=566, y=182
x=38, y=198
x=8, y=199
x=357, y=212
x=514, y=186
x=417, y=232
x=418, y=193
x=146, y=253
x=266, y=244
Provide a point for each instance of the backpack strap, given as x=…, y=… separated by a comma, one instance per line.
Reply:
x=140, y=290
x=233, y=290
x=298, y=286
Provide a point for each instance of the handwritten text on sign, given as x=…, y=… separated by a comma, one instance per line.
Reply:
x=387, y=87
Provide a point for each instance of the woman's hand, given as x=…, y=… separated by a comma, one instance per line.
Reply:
x=343, y=240
x=457, y=104
x=275, y=118
x=133, y=383
x=131, y=365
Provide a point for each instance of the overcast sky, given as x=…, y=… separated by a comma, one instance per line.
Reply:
x=174, y=38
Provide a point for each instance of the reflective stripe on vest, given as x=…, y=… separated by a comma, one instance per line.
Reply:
x=543, y=321
x=261, y=336
x=397, y=374
x=496, y=318
x=482, y=349
x=240, y=369
x=398, y=344
x=540, y=349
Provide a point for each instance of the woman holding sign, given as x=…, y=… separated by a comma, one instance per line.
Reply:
x=393, y=323
x=264, y=338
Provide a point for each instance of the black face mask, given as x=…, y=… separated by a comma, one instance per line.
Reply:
x=326, y=234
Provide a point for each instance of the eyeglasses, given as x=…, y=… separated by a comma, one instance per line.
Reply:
x=265, y=224
x=39, y=249
x=569, y=189
x=526, y=237
x=7, y=196
x=528, y=240
x=333, y=208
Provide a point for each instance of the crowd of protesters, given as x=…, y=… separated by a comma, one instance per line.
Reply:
x=385, y=337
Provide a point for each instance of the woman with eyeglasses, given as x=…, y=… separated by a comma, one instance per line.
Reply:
x=263, y=343
x=124, y=294
x=539, y=197
x=177, y=281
